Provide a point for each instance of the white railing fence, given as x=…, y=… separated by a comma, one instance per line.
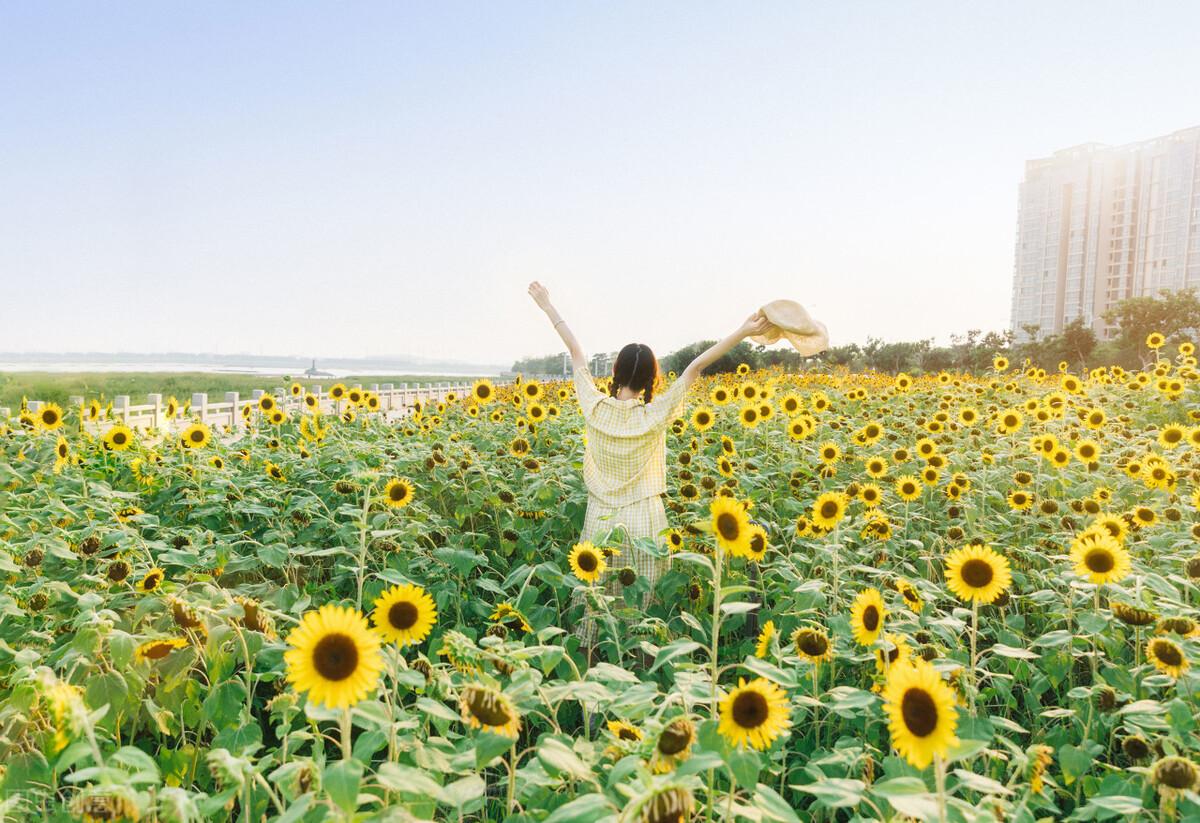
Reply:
x=395, y=401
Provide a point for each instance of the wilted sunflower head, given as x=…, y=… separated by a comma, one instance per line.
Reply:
x=1174, y=774
x=483, y=707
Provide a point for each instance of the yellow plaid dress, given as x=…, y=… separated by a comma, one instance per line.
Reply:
x=624, y=468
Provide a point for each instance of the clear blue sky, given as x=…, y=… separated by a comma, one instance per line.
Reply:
x=371, y=178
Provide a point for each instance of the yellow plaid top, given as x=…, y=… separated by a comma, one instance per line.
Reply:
x=624, y=460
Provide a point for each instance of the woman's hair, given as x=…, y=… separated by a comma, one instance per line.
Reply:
x=636, y=368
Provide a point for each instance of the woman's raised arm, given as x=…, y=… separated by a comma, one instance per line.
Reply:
x=542, y=297
x=755, y=324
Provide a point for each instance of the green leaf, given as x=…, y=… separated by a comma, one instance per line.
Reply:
x=678, y=648
x=489, y=746
x=461, y=792
x=899, y=786
x=773, y=807
x=583, y=809
x=407, y=780
x=341, y=780
x=745, y=765
x=1075, y=761
x=836, y=792
x=559, y=760
x=1014, y=652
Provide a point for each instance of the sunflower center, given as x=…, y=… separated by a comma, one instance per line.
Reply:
x=829, y=509
x=625, y=733
x=586, y=561
x=919, y=711
x=1168, y=653
x=870, y=618
x=197, y=436
x=727, y=526
x=119, y=438
x=758, y=545
x=813, y=644
x=977, y=573
x=158, y=651
x=674, y=739
x=488, y=710
x=750, y=710
x=1099, y=561
x=335, y=656
x=398, y=492
x=403, y=615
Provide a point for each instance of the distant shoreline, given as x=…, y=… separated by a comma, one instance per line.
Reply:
x=60, y=386
x=88, y=367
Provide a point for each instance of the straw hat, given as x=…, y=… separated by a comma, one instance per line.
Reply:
x=789, y=319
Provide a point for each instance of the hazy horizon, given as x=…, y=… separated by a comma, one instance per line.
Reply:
x=381, y=178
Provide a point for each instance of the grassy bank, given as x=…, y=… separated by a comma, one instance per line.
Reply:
x=57, y=387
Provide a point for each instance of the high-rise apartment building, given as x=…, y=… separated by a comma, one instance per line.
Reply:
x=1097, y=224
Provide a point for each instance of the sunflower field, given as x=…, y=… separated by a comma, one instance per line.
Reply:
x=938, y=597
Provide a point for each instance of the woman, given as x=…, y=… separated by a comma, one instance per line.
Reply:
x=624, y=463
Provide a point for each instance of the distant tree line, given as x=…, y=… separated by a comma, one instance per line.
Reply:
x=1175, y=315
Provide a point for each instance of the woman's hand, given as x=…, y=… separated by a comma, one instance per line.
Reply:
x=540, y=295
x=755, y=325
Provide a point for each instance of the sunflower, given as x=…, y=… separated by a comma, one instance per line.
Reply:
x=490, y=710
x=536, y=412
x=50, y=416
x=912, y=597
x=519, y=447
x=195, y=436
x=118, y=438
x=334, y=656
x=829, y=509
x=730, y=524
x=866, y=616
x=829, y=452
x=273, y=471
x=153, y=650
x=892, y=649
x=1019, y=499
x=587, y=562
x=673, y=745
x=483, y=392
x=703, y=418
x=749, y=416
x=151, y=581
x=758, y=543
x=623, y=731
x=62, y=454
x=812, y=645
x=908, y=488
x=763, y=645
x=266, y=403
x=920, y=710
x=404, y=615
x=397, y=493
x=876, y=466
x=1155, y=340
x=674, y=540
x=1167, y=656
x=754, y=714
x=977, y=573
x=509, y=616
x=1099, y=557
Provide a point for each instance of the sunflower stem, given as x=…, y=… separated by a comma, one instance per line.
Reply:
x=345, y=724
x=974, y=637
x=718, y=565
x=939, y=776
x=362, y=544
